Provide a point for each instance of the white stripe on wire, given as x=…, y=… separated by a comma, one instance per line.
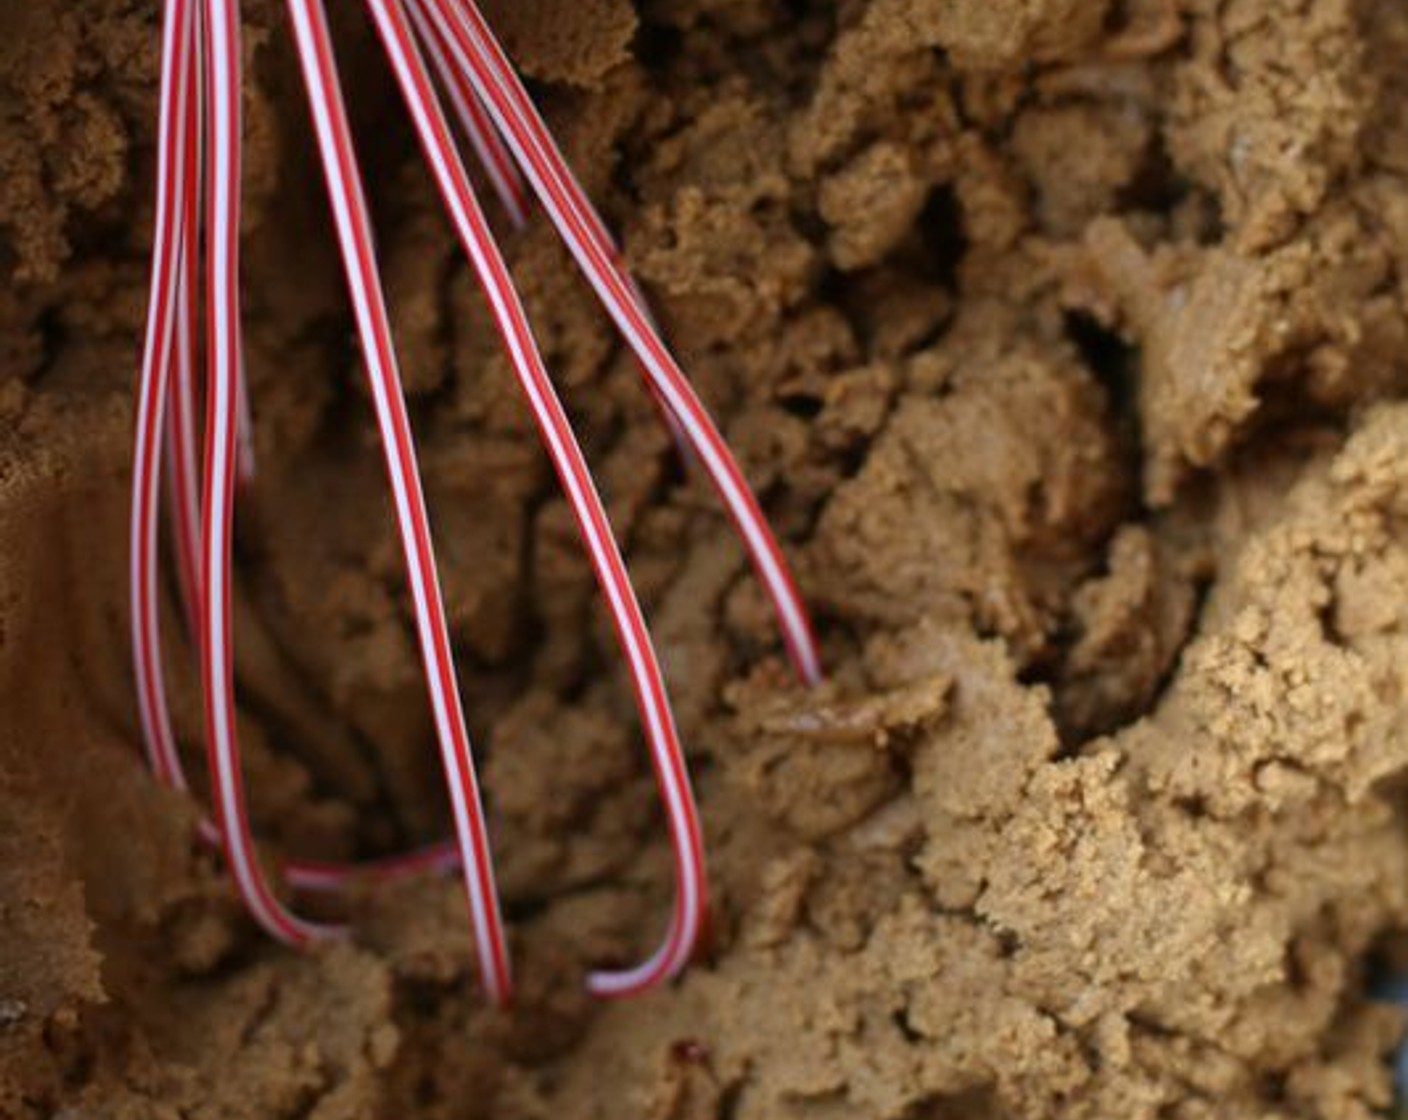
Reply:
x=558, y=189
x=508, y=313
x=183, y=491
x=181, y=427
x=412, y=544
x=488, y=145
x=482, y=62
x=222, y=30
x=167, y=240
x=182, y=100
x=182, y=431
x=676, y=950
x=656, y=721
x=353, y=234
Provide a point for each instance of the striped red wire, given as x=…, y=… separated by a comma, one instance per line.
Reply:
x=224, y=360
x=556, y=433
x=199, y=150
x=168, y=239
x=483, y=137
x=176, y=232
x=369, y=306
x=481, y=58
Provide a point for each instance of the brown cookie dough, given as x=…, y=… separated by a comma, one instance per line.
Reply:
x=1061, y=340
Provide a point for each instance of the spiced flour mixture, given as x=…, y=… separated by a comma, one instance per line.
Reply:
x=1063, y=340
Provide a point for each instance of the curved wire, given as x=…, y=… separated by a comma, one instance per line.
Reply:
x=169, y=255
x=555, y=430
x=224, y=357
x=369, y=307
x=483, y=62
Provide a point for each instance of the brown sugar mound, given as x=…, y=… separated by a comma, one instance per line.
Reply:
x=1062, y=341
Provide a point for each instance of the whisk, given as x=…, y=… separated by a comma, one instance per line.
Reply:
x=435, y=49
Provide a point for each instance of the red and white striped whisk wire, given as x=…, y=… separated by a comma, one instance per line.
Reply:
x=369, y=307
x=173, y=295
x=574, y=475
x=483, y=62
x=199, y=148
x=168, y=255
x=224, y=363
x=494, y=156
